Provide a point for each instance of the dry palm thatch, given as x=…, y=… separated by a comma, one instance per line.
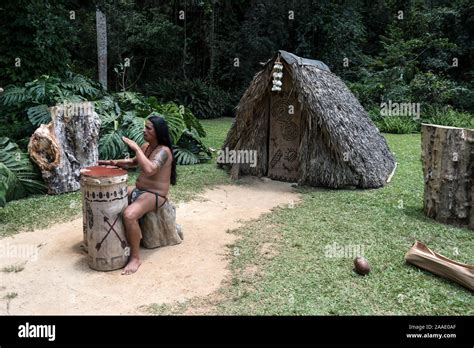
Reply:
x=339, y=145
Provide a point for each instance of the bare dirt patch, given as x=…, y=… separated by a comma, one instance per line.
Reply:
x=56, y=279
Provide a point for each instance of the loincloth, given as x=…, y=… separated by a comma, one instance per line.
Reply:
x=136, y=192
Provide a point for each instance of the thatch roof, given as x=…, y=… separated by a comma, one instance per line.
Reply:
x=340, y=146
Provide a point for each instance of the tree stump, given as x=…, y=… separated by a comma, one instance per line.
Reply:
x=159, y=227
x=448, y=169
x=66, y=145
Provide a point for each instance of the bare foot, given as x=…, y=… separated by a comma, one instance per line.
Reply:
x=132, y=266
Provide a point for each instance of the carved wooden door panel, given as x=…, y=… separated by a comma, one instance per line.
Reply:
x=285, y=135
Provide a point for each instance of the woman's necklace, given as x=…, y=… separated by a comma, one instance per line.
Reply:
x=151, y=150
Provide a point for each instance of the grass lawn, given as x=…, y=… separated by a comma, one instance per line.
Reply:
x=282, y=265
x=299, y=277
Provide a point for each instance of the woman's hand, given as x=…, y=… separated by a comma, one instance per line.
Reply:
x=108, y=162
x=133, y=145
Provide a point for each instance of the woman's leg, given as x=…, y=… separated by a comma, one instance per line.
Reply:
x=144, y=204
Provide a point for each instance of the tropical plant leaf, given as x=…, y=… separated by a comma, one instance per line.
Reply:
x=128, y=117
x=31, y=182
x=107, y=103
x=44, y=89
x=69, y=97
x=191, y=142
x=81, y=85
x=184, y=156
x=17, y=175
x=193, y=123
x=131, y=100
x=13, y=189
x=11, y=156
x=39, y=114
x=108, y=111
x=107, y=119
x=3, y=185
x=174, y=120
x=115, y=123
x=153, y=103
x=14, y=95
x=134, y=127
x=111, y=145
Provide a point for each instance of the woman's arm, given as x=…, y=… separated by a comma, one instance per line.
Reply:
x=123, y=163
x=151, y=167
x=148, y=167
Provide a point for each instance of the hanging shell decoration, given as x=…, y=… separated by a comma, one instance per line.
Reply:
x=277, y=76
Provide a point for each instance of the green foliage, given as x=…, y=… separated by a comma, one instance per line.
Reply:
x=36, y=96
x=149, y=35
x=124, y=114
x=134, y=126
x=111, y=145
x=39, y=36
x=118, y=119
x=193, y=123
x=206, y=61
x=4, y=173
x=18, y=178
x=190, y=149
x=204, y=100
x=448, y=117
x=184, y=156
x=51, y=90
x=38, y=114
x=445, y=116
x=335, y=33
x=179, y=113
x=81, y=86
x=398, y=125
x=14, y=95
x=419, y=60
x=130, y=100
x=432, y=89
x=428, y=89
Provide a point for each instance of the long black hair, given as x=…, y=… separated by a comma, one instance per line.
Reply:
x=163, y=138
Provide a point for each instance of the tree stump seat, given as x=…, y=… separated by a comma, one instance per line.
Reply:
x=159, y=227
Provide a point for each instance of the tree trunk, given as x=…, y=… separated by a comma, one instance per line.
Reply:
x=212, y=38
x=185, y=43
x=448, y=169
x=101, y=25
x=66, y=145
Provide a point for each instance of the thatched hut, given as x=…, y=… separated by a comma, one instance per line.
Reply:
x=314, y=131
